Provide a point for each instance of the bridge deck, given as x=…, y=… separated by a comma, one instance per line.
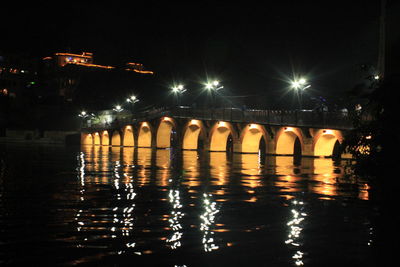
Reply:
x=295, y=118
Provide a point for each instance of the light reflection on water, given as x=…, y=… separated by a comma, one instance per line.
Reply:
x=136, y=201
x=295, y=224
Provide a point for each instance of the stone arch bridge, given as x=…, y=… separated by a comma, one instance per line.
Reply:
x=283, y=132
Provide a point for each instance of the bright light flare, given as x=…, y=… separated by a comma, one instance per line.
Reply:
x=84, y=114
x=213, y=85
x=295, y=84
x=118, y=108
x=132, y=99
x=300, y=84
x=178, y=89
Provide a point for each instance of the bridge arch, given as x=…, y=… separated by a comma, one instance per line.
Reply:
x=144, y=136
x=128, y=136
x=325, y=141
x=222, y=136
x=286, y=139
x=96, y=138
x=105, y=138
x=193, y=132
x=87, y=139
x=165, y=132
x=116, y=138
x=251, y=137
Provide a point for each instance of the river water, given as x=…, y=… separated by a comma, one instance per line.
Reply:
x=111, y=206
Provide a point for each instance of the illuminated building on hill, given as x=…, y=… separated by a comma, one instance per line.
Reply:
x=76, y=78
x=35, y=91
x=85, y=59
x=137, y=67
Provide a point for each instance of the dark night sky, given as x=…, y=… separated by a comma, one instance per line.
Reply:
x=251, y=48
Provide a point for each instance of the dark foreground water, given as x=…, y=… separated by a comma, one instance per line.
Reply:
x=102, y=206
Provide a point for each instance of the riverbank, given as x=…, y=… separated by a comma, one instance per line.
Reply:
x=37, y=137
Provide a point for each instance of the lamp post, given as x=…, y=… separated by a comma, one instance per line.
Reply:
x=213, y=87
x=300, y=86
x=83, y=114
x=132, y=100
x=85, y=117
x=178, y=90
x=118, y=108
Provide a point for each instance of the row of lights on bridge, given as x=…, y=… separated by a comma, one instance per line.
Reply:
x=299, y=85
x=176, y=89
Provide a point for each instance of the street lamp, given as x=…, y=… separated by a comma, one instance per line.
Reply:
x=213, y=87
x=178, y=90
x=83, y=114
x=299, y=86
x=118, y=108
x=132, y=100
x=86, y=117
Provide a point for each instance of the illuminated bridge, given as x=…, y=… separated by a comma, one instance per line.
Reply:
x=281, y=132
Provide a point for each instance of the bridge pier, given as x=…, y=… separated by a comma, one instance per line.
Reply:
x=237, y=146
x=307, y=149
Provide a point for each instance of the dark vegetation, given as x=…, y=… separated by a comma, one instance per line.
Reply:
x=374, y=142
x=375, y=146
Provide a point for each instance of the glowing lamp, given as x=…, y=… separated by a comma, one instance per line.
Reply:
x=167, y=119
x=194, y=122
x=221, y=124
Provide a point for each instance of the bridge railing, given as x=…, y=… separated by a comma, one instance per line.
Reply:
x=298, y=118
